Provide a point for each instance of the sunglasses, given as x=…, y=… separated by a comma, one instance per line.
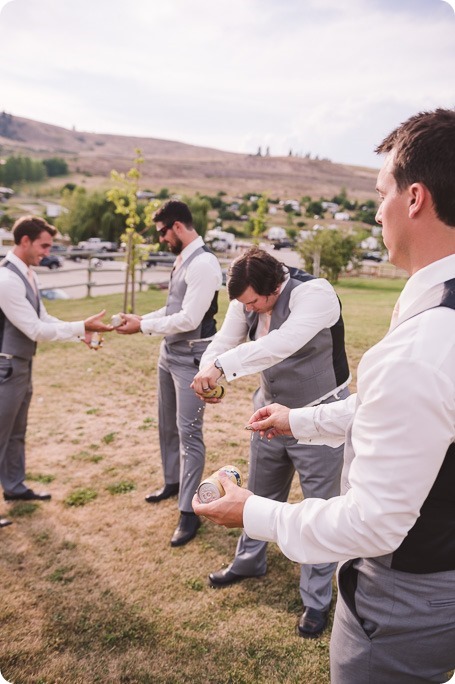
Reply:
x=162, y=231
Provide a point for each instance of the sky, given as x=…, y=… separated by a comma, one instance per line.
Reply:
x=324, y=77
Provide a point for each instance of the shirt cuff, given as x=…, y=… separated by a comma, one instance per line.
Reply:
x=147, y=326
x=230, y=364
x=78, y=329
x=259, y=518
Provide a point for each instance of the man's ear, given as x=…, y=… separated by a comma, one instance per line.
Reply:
x=417, y=195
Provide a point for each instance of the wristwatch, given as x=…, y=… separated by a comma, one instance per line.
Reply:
x=218, y=365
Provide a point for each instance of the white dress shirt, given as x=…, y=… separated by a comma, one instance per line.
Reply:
x=404, y=423
x=313, y=307
x=203, y=278
x=23, y=316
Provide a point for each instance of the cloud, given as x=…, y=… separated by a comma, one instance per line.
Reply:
x=313, y=75
x=451, y=3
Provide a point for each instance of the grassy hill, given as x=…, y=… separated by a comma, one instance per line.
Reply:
x=182, y=167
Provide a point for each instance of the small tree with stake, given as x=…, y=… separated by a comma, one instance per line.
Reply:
x=124, y=197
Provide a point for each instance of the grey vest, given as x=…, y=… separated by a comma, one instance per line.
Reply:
x=429, y=545
x=314, y=370
x=177, y=290
x=12, y=340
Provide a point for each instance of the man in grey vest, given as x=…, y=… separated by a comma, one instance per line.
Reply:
x=24, y=321
x=295, y=334
x=394, y=619
x=188, y=324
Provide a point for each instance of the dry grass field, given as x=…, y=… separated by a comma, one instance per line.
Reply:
x=91, y=589
x=184, y=168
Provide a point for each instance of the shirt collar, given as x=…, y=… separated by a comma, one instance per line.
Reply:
x=21, y=265
x=192, y=247
x=426, y=278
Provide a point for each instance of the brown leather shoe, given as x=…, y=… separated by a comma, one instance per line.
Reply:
x=312, y=623
x=185, y=531
x=164, y=493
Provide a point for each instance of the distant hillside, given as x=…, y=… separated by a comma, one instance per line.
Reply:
x=182, y=167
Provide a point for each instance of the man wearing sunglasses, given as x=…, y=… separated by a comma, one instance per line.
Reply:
x=188, y=325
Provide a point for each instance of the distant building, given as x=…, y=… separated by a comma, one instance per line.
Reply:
x=276, y=233
x=330, y=206
x=55, y=210
x=341, y=216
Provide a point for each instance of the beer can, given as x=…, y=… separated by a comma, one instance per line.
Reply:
x=217, y=393
x=211, y=489
x=116, y=320
x=96, y=341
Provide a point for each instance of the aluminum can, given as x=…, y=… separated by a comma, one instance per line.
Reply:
x=217, y=393
x=116, y=320
x=211, y=489
x=96, y=342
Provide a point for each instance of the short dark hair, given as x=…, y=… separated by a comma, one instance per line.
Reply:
x=32, y=226
x=255, y=268
x=424, y=148
x=174, y=210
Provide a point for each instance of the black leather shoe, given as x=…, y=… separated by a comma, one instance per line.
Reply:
x=185, y=531
x=164, y=493
x=312, y=623
x=28, y=495
x=223, y=578
x=4, y=522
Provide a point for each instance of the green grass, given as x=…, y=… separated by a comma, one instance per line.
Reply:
x=81, y=497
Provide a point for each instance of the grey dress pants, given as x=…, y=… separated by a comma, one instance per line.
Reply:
x=180, y=418
x=392, y=627
x=272, y=467
x=15, y=396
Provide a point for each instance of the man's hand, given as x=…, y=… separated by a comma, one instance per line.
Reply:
x=131, y=323
x=95, y=324
x=228, y=510
x=270, y=421
x=206, y=380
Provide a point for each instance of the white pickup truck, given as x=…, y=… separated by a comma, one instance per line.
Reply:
x=96, y=244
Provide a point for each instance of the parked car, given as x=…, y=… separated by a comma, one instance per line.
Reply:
x=372, y=256
x=59, y=249
x=54, y=293
x=52, y=261
x=96, y=244
x=283, y=242
x=155, y=258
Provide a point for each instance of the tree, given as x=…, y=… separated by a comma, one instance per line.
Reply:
x=89, y=215
x=327, y=252
x=18, y=169
x=259, y=221
x=55, y=166
x=199, y=208
x=124, y=197
x=315, y=208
